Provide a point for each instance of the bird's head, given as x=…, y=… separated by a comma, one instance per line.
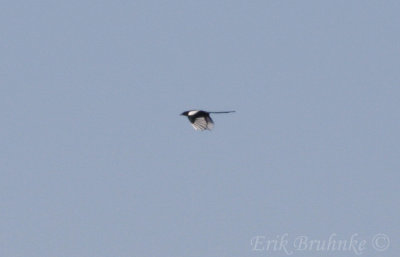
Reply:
x=185, y=113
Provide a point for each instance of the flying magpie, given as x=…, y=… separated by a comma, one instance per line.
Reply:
x=201, y=120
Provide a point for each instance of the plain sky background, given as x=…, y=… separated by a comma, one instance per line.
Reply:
x=96, y=161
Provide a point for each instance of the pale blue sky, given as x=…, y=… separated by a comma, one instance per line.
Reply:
x=96, y=161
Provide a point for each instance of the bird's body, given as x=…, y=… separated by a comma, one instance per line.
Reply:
x=201, y=120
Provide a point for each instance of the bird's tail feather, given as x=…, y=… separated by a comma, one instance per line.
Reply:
x=223, y=112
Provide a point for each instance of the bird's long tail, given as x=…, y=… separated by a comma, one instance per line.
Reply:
x=223, y=112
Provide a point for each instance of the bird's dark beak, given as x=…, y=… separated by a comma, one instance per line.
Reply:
x=183, y=114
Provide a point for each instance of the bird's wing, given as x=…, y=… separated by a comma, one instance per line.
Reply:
x=202, y=123
x=210, y=123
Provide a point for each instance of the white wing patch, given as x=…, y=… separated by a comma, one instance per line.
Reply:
x=202, y=123
x=191, y=113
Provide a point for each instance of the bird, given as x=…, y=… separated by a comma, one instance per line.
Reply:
x=201, y=120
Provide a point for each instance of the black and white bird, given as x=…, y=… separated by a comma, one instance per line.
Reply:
x=201, y=120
